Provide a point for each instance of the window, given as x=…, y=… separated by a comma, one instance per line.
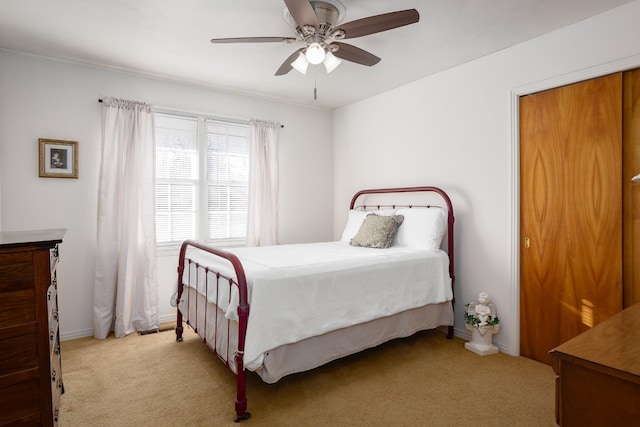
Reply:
x=202, y=179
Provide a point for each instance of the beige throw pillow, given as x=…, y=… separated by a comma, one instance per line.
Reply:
x=377, y=231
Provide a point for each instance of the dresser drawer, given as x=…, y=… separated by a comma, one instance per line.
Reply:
x=16, y=271
x=18, y=349
x=17, y=307
x=20, y=401
x=15, y=265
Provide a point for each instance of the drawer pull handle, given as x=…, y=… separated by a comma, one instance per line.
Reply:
x=55, y=315
x=53, y=375
x=51, y=334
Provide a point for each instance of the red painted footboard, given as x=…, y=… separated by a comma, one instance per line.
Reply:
x=243, y=315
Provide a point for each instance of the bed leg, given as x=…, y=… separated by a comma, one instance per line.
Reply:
x=449, y=332
x=179, y=327
x=241, y=379
x=241, y=415
x=241, y=397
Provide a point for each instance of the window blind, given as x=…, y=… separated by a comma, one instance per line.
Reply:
x=215, y=209
x=176, y=177
x=227, y=177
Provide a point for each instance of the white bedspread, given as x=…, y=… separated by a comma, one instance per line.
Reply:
x=304, y=290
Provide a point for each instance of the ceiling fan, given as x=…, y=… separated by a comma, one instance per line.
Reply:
x=315, y=21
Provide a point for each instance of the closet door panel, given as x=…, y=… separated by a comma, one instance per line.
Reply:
x=594, y=212
x=571, y=212
x=631, y=191
x=542, y=211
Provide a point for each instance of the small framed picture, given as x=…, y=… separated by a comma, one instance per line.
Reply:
x=58, y=158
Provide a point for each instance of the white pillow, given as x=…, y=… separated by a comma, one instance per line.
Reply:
x=355, y=221
x=423, y=228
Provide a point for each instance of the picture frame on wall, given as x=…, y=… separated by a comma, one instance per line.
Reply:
x=58, y=158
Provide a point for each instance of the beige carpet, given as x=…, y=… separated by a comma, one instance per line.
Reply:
x=424, y=380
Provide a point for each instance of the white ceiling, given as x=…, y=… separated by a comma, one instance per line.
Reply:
x=169, y=38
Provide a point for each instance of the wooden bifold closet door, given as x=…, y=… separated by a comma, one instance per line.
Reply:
x=570, y=212
x=631, y=190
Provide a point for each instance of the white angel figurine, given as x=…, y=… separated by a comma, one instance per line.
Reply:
x=482, y=321
x=484, y=310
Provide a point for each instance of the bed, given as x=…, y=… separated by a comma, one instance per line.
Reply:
x=282, y=309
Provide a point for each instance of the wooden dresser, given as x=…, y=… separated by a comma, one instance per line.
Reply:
x=598, y=374
x=30, y=370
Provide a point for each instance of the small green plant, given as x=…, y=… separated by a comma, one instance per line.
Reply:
x=473, y=320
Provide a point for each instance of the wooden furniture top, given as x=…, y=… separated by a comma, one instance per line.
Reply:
x=613, y=344
x=31, y=237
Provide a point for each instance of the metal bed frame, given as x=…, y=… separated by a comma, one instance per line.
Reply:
x=240, y=281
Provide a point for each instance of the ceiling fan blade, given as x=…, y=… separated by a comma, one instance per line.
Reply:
x=286, y=65
x=355, y=54
x=379, y=23
x=302, y=12
x=254, y=40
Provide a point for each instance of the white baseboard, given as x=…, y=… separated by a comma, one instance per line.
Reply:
x=66, y=336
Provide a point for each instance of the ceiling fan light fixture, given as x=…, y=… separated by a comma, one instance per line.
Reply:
x=330, y=62
x=315, y=53
x=301, y=64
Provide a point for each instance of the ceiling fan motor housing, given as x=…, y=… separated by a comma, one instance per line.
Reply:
x=328, y=15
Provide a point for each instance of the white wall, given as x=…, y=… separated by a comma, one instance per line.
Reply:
x=43, y=98
x=454, y=130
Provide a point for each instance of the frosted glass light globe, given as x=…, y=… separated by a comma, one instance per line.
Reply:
x=315, y=53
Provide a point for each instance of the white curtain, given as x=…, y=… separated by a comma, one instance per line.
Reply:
x=263, y=184
x=125, y=288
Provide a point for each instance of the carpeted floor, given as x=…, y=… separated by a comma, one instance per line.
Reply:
x=424, y=380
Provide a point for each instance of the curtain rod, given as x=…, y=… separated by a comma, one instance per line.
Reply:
x=100, y=100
